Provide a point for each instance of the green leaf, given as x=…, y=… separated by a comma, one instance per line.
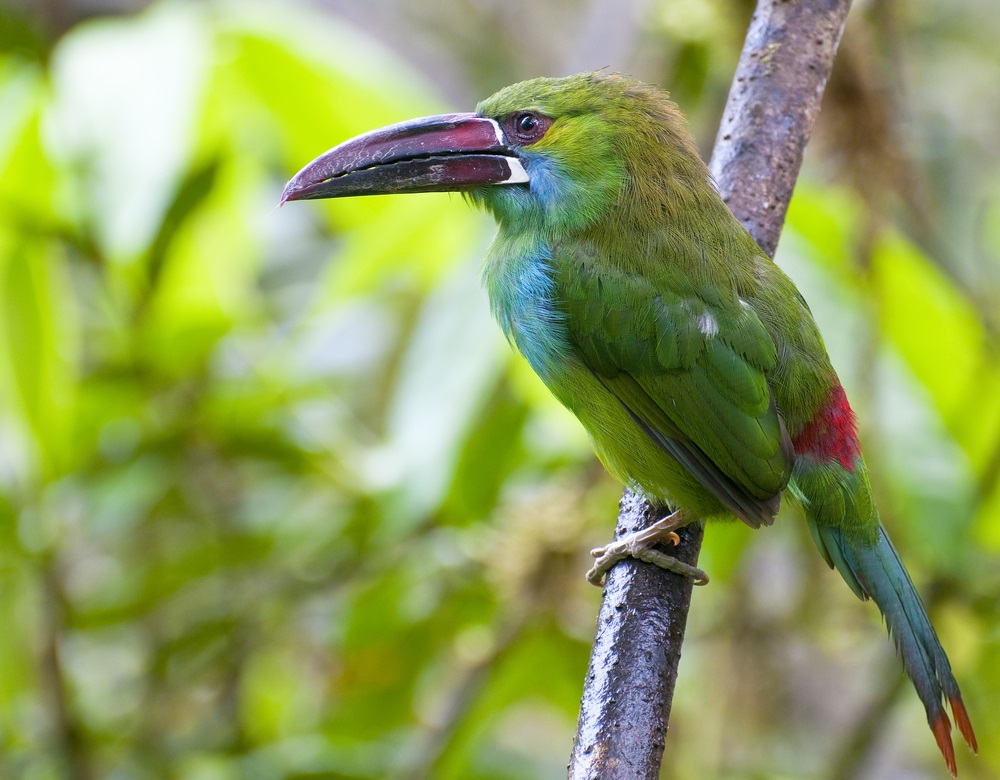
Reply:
x=38, y=351
x=126, y=96
x=942, y=339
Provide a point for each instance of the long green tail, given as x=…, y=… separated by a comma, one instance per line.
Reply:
x=875, y=572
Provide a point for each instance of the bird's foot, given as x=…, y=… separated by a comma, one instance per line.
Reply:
x=641, y=545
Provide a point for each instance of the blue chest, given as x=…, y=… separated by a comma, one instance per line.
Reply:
x=521, y=285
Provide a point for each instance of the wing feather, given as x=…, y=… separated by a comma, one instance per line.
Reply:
x=691, y=371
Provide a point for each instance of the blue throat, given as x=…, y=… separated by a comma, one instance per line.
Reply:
x=518, y=276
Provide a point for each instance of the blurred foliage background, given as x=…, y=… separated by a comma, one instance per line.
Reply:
x=276, y=499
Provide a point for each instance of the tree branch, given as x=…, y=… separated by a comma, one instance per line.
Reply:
x=772, y=107
x=769, y=116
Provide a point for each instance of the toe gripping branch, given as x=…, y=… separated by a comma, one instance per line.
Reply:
x=642, y=546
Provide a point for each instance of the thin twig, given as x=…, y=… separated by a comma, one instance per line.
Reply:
x=68, y=737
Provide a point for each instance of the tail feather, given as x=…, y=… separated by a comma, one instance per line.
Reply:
x=963, y=723
x=875, y=572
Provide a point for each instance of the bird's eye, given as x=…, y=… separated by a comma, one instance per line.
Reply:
x=527, y=124
x=526, y=127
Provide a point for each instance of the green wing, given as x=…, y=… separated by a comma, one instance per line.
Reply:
x=690, y=369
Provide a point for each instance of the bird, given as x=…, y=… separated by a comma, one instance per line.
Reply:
x=649, y=312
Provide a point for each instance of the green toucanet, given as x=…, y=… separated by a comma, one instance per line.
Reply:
x=651, y=314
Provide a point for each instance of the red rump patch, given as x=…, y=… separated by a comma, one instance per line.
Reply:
x=831, y=434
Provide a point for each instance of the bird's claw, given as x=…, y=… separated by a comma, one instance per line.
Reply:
x=639, y=547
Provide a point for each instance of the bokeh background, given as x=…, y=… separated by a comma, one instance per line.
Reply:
x=277, y=500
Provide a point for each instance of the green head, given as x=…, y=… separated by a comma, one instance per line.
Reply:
x=555, y=154
x=604, y=146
